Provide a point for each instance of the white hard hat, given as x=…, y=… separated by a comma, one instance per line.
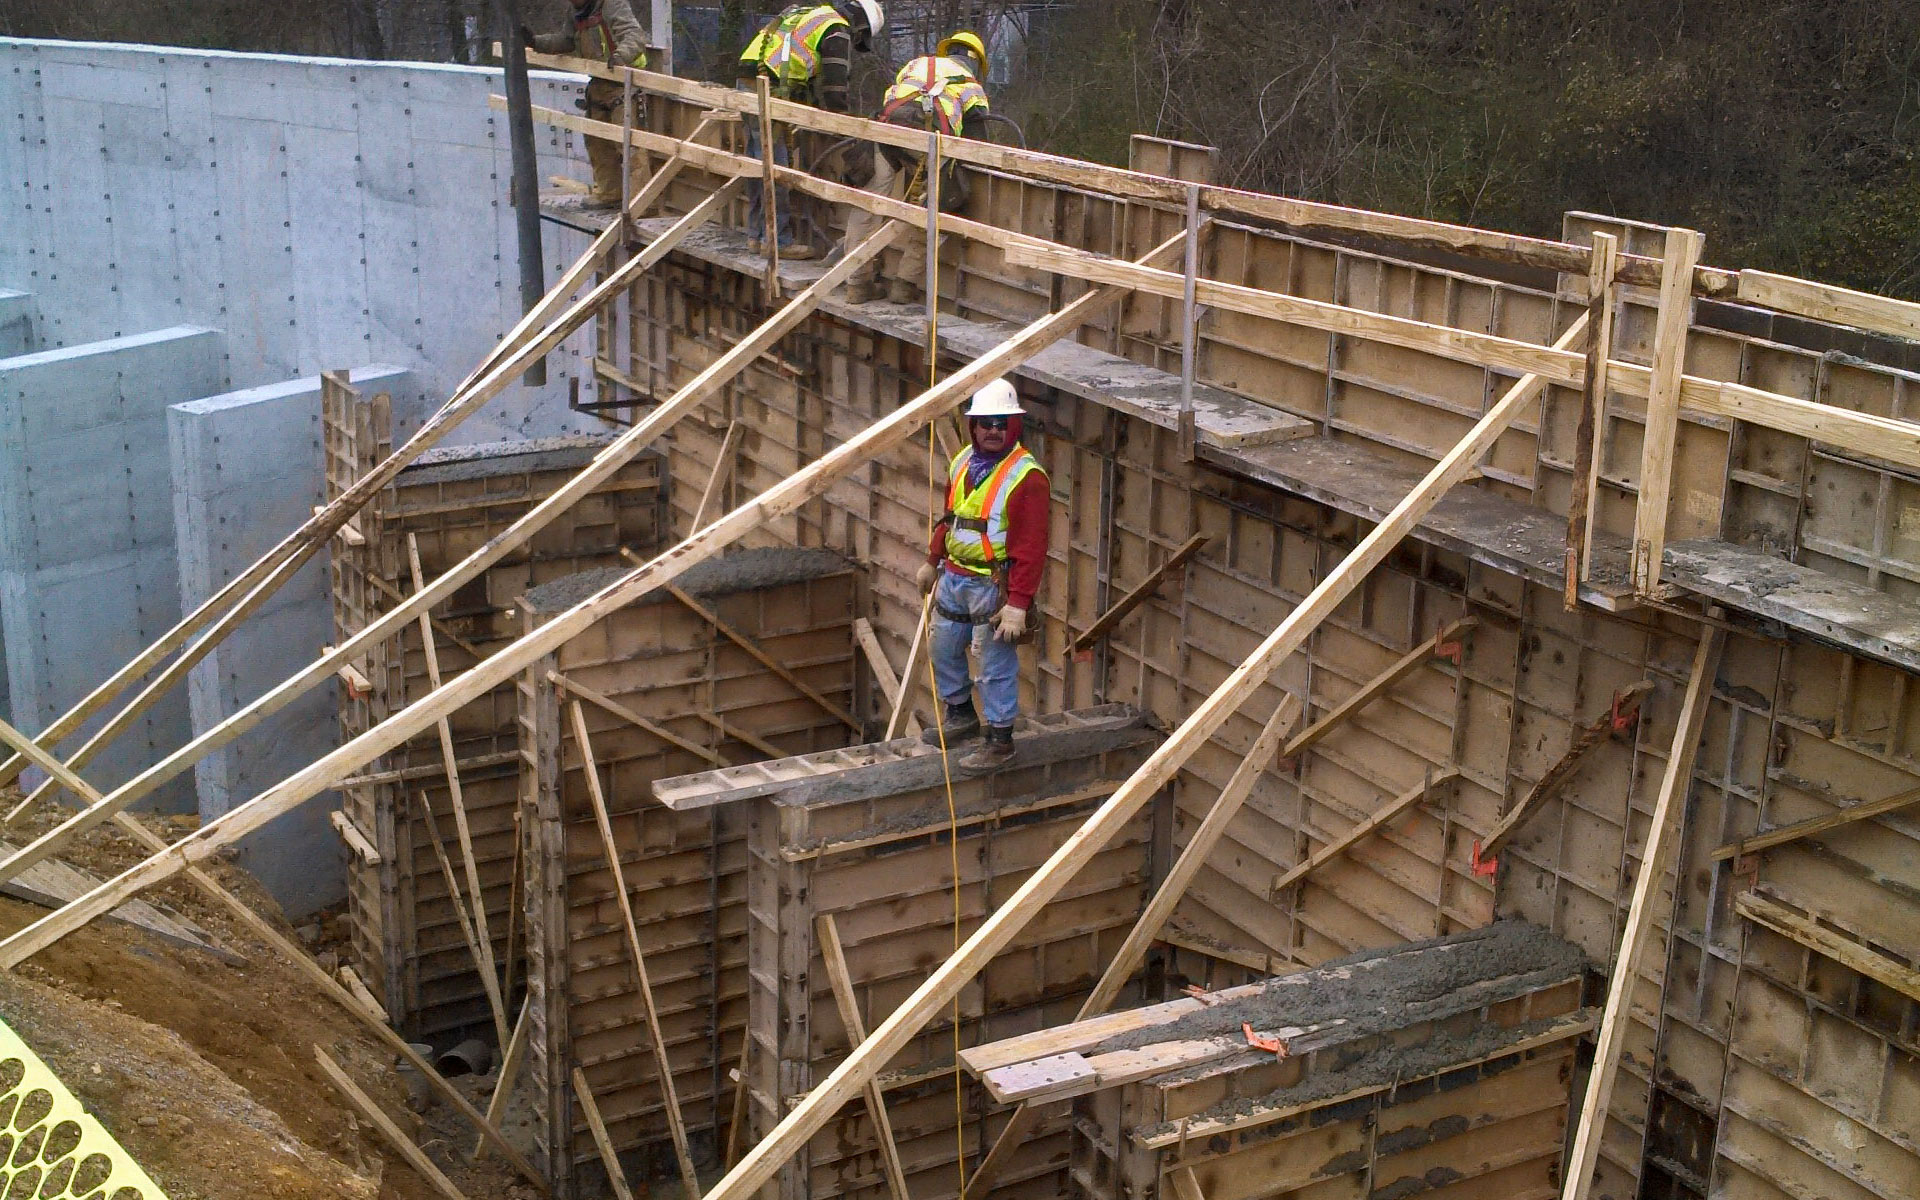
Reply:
x=997, y=399
x=876, y=18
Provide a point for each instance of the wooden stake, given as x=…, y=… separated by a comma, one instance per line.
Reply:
x=841, y=980
x=910, y=675
x=489, y=982
x=1593, y=414
x=615, y=456
x=450, y=762
x=510, y=1064
x=763, y=658
x=616, y=1178
x=722, y=467
x=377, y=1117
x=364, y=1009
x=669, y=1098
x=1663, y=407
x=635, y=719
x=1812, y=825
x=738, y=1117
x=1381, y=817
x=768, y=202
x=1661, y=835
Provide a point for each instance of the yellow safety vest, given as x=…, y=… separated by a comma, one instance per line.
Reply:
x=787, y=49
x=598, y=24
x=954, y=90
x=977, y=517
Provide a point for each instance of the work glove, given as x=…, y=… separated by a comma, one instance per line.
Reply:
x=1011, y=624
x=926, y=576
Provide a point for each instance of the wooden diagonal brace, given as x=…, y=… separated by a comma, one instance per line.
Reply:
x=766, y=660
x=841, y=980
x=1621, y=715
x=1104, y=624
x=1385, y=815
x=1861, y=811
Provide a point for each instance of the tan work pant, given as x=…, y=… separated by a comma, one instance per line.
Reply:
x=862, y=225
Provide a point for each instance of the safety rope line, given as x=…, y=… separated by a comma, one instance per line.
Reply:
x=931, y=168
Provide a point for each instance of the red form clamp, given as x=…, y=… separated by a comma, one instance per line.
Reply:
x=1448, y=650
x=1201, y=994
x=1260, y=1041
x=1484, y=866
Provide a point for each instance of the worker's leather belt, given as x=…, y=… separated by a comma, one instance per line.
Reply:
x=960, y=617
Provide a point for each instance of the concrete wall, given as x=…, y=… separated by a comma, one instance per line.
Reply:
x=322, y=212
x=246, y=471
x=87, y=554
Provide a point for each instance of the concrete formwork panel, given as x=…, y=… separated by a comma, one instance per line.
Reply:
x=17, y=334
x=87, y=553
x=246, y=472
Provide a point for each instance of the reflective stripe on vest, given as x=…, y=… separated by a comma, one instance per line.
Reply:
x=599, y=21
x=788, y=49
x=978, y=549
x=952, y=86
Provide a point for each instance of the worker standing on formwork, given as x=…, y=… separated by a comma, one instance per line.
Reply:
x=939, y=91
x=605, y=31
x=984, y=567
x=806, y=54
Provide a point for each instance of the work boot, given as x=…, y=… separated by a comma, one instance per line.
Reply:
x=796, y=251
x=899, y=291
x=756, y=246
x=601, y=200
x=992, y=753
x=960, y=723
x=863, y=291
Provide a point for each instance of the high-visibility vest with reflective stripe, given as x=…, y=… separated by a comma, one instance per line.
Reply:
x=954, y=90
x=597, y=23
x=788, y=48
x=981, y=545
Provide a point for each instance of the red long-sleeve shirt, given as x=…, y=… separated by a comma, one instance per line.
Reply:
x=1028, y=527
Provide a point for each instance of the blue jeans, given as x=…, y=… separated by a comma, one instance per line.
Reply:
x=999, y=661
x=782, y=197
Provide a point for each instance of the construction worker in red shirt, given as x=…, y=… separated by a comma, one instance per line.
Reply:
x=941, y=90
x=984, y=566
x=806, y=53
x=605, y=31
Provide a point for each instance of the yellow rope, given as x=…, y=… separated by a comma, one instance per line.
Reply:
x=931, y=170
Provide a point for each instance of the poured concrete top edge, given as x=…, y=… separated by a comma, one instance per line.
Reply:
x=1220, y=417
x=1485, y=527
x=902, y=765
x=480, y=460
x=1838, y=611
x=725, y=575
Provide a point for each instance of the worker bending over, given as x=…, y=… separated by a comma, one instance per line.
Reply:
x=984, y=566
x=940, y=91
x=605, y=31
x=806, y=54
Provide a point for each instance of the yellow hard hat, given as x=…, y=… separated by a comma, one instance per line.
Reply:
x=967, y=41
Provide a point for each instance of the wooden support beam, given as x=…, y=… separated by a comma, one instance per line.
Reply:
x=1441, y=643
x=1825, y=302
x=1153, y=918
x=841, y=980
x=616, y=1178
x=389, y=1131
x=742, y=735
x=357, y=842
x=599, y=700
x=1593, y=412
x=1847, y=951
x=1105, y=623
x=722, y=467
x=510, y=1064
x=1185, y=1185
x=609, y=461
x=242, y=597
x=786, y=496
x=350, y=979
x=482, y=955
x=669, y=1099
x=911, y=676
x=889, y=683
x=1302, y=217
x=1620, y=712
x=1663, y=408
x=446, y=631
x=450, y=763
x=760, y=656
x=1662, y=833
x=769, y=200
x=356, y=1001
x=1839, y=818
x=1383, y=816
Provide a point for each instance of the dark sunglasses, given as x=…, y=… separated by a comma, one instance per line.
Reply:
x=990, y=422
